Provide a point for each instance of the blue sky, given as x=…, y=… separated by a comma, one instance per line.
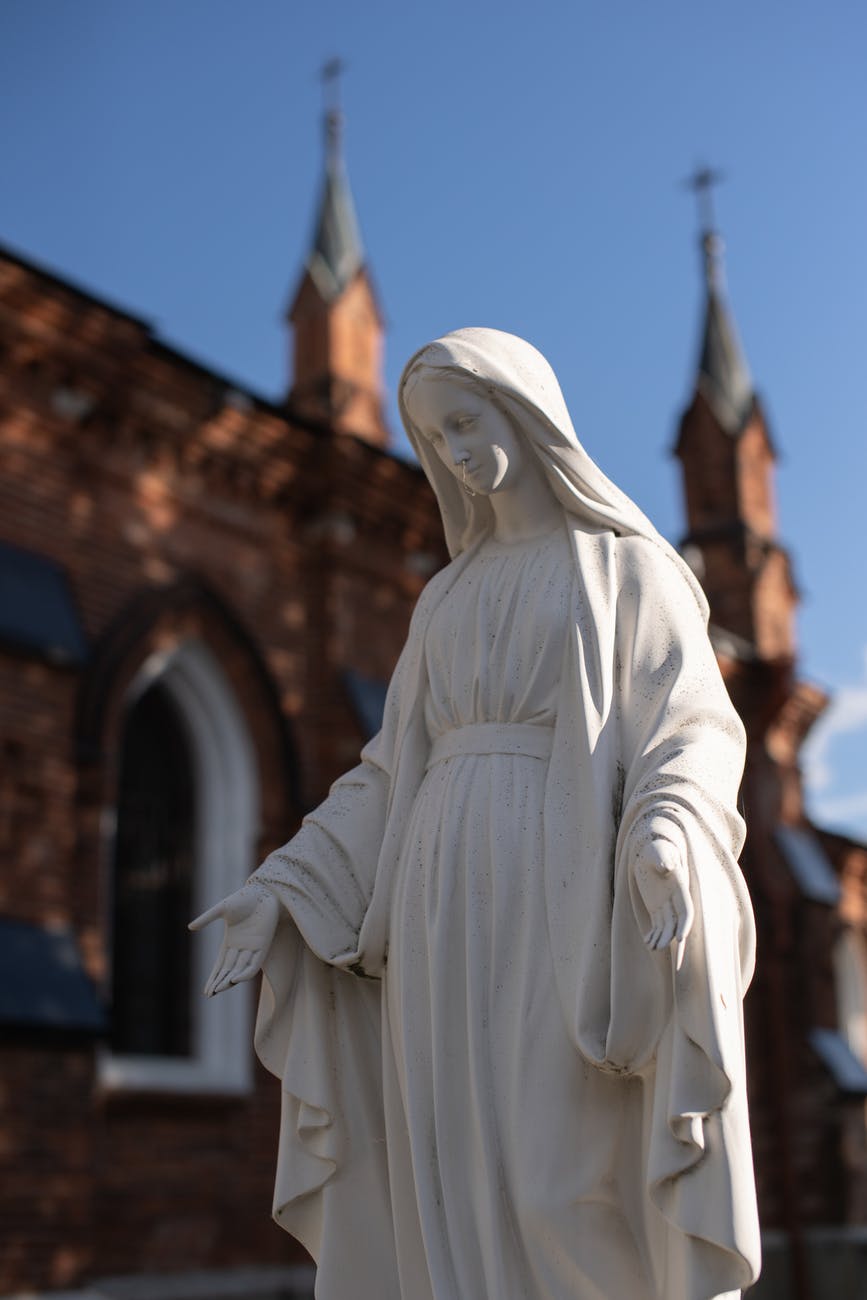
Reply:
x=513, y=165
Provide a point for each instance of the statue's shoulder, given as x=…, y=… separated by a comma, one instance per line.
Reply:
x=433, y=591
x=641, y=560
x=651, y=577
x=623, y=565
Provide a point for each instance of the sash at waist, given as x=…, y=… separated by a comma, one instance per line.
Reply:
x=531, y=740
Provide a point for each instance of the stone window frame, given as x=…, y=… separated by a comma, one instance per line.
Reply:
x=850, y=978
x=227, y=833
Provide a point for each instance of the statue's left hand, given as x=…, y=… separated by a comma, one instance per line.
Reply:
x=662, y=878
x=251, y=915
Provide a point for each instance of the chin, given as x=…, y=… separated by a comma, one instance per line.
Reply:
x=478, y=483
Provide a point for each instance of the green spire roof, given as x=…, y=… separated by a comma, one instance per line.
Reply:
x=337, y=253
x=723, y=374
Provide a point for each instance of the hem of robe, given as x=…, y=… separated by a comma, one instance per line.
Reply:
x=318, y=1029
x=332, y=1178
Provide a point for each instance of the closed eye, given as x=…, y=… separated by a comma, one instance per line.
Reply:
x=465, y=422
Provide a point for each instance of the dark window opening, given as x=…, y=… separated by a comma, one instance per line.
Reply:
x=153, y=869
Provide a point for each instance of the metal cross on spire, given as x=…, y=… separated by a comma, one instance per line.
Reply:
x=701, y=182
x=330, y=75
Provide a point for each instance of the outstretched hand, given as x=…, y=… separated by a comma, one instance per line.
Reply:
x=662, y=878
x=251, y=915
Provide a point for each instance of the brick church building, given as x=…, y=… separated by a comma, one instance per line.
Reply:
x=806, y=1012
x=202, y=595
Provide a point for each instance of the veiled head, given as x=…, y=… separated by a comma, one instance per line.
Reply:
x=508, y=378
x=478, y=404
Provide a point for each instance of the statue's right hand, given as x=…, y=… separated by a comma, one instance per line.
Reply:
x=251, y=915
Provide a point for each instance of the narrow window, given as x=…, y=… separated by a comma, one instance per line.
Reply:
x=153, y=881
x=850, y=970
x=186, y=819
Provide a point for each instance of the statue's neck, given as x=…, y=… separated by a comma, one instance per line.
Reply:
x=526, y=510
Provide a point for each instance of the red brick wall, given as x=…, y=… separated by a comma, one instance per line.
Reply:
x=178, y=509
x=337, y=363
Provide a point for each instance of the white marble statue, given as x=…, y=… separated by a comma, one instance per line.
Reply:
x=504, y=961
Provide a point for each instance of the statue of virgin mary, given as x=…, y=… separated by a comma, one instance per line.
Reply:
x=504, y=961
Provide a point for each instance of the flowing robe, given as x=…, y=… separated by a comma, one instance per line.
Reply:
x=645, y=743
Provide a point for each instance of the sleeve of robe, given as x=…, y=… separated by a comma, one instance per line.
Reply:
x=318, y=1029
x=683, y=748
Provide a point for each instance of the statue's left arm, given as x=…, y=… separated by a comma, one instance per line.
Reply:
x=683, y=744
x=683, y=747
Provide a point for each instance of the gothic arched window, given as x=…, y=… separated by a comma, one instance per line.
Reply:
x=186, y=826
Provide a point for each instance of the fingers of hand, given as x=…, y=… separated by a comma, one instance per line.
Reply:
x=669, y=923
x=654, y=932
x=220, y=975
x=238, y=965
x=220, y=967
x=685, y=910
x=237, y=907
x=251, y=967
x=228, y=969
x=686, y=916
x=206, y=917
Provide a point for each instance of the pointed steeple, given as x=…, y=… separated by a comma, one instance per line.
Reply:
x=335, y=317
x=723, y=373
x=728, y=458
x=337, y=253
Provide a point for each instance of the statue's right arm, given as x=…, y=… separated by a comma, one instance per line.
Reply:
x=323, y=877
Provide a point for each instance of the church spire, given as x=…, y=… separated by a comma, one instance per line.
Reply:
x=337, y=253
x=728, y=461
x=723, y=373
x=337, y=325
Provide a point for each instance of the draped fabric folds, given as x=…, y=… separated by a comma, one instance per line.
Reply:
x=645, y=743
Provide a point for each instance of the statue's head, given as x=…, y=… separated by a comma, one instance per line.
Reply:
x=505, y=369
x=478, y=405
x=474, y=406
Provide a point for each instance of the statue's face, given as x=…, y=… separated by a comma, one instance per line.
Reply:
x=471, y=436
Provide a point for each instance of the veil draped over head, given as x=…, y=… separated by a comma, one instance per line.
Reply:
x=521, y=382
